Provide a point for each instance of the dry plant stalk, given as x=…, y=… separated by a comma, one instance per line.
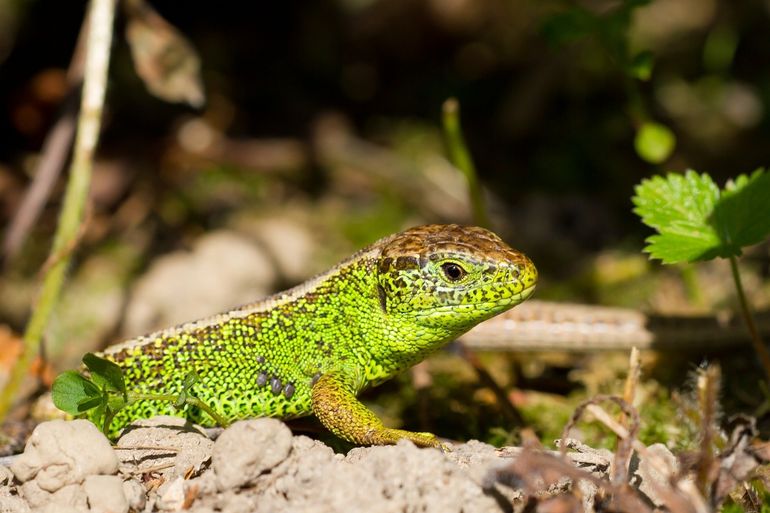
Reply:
x=708, y=383
x=632, y=380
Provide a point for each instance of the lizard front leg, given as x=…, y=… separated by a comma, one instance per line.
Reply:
x=338, y=409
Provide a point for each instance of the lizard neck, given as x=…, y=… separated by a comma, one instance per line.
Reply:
x=401, y=347
x=368, y=344
x=392, y=343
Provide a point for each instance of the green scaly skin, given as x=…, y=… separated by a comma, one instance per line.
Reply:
x=314, y=348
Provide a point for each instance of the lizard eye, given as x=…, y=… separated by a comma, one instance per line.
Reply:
x=453, y=271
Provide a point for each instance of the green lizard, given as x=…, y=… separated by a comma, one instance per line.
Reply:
x=313, y=348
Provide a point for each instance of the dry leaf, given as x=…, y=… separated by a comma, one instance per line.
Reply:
x=164, y=59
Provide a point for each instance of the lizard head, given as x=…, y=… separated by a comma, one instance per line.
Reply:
x=451, y=277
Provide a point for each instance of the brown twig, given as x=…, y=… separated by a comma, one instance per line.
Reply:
x=632, y=379
x=631, y=383
x=146, y=448
x=709, y=381
x=623, y=453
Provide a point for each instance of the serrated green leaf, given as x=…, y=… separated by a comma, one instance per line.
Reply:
x=678, y=207
x=105, y=373
x=685, y=201
x=654, y=142
x=697, y=221
x=70, y=389
x=742, y=215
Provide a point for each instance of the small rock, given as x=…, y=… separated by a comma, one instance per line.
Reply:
x=59, y=508
x=70, y=496
x=423, y=479
x=9, y=504
x=34, y=495
x=184, y=447
x=202, y=509
x=62, y=452
x=135, y=494
x=105, y=494
x=480, y=461
x=235, y=503
x=206, y=483
x=6, y=476
x=171, y=495
x=249, y=448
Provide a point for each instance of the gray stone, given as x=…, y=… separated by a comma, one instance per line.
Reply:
x=182, y=447
x=135, y=494
x=61, y=452
x=249, y=448
x=105, y=494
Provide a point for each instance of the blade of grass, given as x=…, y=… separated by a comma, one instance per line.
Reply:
x=100, y=14
x=461, y=159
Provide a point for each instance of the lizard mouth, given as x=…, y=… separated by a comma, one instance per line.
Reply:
x=492, y=306
x=513, y=300
x=524, y=294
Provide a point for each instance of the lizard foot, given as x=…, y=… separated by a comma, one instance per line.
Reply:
x=391, y=436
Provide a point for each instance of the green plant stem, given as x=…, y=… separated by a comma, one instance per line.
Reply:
x=461, y=159
x=100, y=15
x=748, y=317
x=190, y=400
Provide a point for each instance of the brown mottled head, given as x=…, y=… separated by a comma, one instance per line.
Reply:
x=451, y=276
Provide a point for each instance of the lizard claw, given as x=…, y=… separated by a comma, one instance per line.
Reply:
x=424, y=439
